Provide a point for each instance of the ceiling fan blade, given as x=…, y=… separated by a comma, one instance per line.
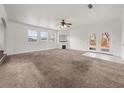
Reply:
x=68, y=23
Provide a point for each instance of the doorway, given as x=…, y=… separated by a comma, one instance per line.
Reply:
x=100, y=42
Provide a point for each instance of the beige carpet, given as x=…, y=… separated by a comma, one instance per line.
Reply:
x=59, y=68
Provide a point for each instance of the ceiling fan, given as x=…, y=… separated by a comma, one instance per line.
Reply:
x=65, y=24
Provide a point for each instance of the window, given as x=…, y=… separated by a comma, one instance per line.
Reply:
x=32, y=36
x=53, y=37
x=92, y=42
x=105, y=42
x=44, y=35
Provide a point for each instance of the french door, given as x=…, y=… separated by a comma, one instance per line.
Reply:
x=100, y=42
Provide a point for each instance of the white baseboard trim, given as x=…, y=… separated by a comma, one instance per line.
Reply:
x=21, y=52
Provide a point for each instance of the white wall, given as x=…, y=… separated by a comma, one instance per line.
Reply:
x=16, y=38
x=2, y=13
x=122, y=37
x=1, y=37
x=2, y=27
x=79, y=37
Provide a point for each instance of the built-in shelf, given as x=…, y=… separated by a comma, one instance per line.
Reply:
x=63, y=41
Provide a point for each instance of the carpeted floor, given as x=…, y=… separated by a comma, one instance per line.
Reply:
x=59, y=68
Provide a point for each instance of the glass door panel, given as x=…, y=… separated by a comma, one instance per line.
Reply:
x=105, y=42
x=92, y=42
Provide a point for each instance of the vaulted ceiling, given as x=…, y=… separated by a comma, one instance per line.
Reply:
x=50, y=15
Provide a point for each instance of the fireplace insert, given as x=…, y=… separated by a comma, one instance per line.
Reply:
x=63, y=46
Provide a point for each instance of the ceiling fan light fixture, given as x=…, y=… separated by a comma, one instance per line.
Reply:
x=65, y=26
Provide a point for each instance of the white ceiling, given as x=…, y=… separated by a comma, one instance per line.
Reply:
x=50, y=15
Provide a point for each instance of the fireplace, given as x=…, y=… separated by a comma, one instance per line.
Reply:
x=63, y=46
